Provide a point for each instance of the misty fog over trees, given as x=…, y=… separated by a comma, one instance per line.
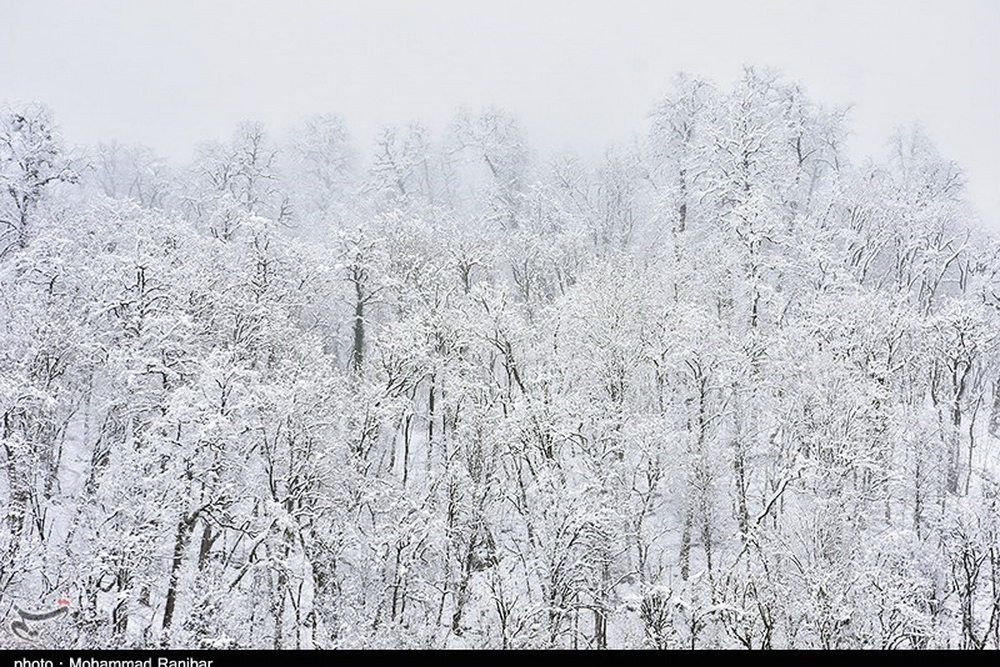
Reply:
x=728, y=386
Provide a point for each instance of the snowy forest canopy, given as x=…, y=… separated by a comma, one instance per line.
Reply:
x=726, y=387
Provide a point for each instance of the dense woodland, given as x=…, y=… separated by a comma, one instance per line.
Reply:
x=727, y=386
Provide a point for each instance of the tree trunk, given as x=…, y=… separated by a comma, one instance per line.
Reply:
x=184, y=527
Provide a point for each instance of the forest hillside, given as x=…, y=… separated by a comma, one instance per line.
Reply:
x=727, y=386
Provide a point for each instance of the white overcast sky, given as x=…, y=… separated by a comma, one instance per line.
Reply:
x=579, y=74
